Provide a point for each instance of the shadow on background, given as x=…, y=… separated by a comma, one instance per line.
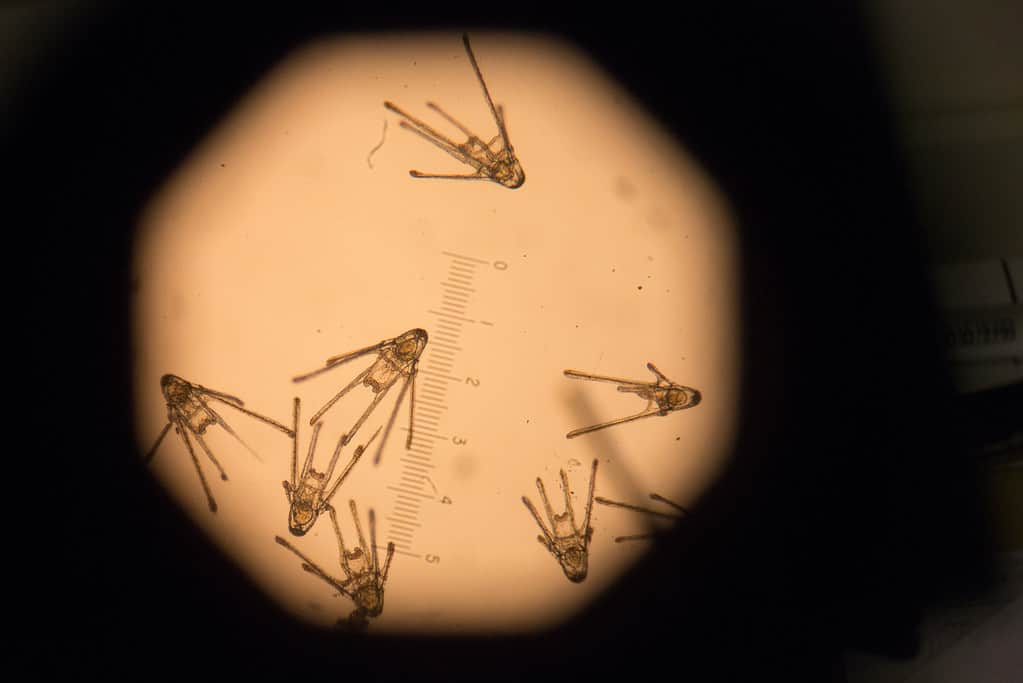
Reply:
x=849, y=505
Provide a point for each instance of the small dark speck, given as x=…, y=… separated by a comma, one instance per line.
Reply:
x=317, y=331
x=640, y=287
x=527, y=421
x=222, y=166
x=677, y=438
x=649, y=258
x=649, y=276
x=612, y=270
x=624, y=188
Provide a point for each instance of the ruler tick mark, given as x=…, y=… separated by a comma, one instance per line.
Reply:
x=471, y=259
x=411, y=491
x=429, y=432
x=444, y=351
x=435, y=374
x=457, y=287
x=448, y=315
x=449, y=378
x=446, y=341
x=406, y=526
x=434, y=410
x=441, y=366
x=438, y=396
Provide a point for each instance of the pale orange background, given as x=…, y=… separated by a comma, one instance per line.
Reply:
x=276, y=245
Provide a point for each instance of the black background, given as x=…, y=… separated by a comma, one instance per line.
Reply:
x=849, y=505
